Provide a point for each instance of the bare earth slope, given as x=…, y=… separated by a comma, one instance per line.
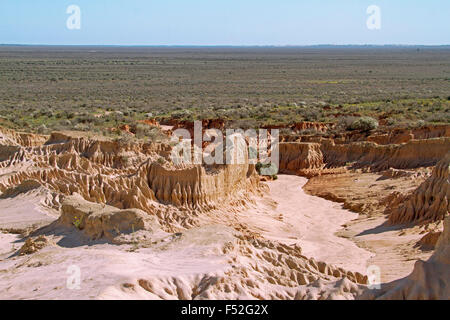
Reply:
x=139, y=228
x=429, y=280
x=90, y=217
x=212, y=261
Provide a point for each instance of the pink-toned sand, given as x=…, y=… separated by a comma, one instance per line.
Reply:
x=291, y=216
x=285, y=214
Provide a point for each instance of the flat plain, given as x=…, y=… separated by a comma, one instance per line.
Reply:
x=248, y=85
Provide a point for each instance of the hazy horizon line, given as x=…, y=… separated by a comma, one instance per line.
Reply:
x=223, y=46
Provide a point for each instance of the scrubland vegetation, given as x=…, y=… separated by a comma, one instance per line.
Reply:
x=96, y=88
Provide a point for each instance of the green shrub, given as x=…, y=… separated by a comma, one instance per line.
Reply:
x=364, y=124
x=161, y=161
x=77, y=222
x=391, y=122
x=124, y=139
x=266, y=169
x=42, y=129
x=439, y=117
x=344, y=123
x=150, y=133
x=311, y=114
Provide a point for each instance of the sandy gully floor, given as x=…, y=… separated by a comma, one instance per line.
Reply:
x=329, y=233
x=289, y=215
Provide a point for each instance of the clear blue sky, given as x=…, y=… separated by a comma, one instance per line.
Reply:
x=225, y=22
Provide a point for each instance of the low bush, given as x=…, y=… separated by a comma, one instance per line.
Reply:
x=363, y=124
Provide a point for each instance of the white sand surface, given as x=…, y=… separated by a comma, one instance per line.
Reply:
x=311, y=222
x=25, y=210
x=105, y=268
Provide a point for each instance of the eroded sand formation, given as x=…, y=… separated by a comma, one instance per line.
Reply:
x=429, y=202
x=429, y=280
x=133, y=175
x=301, y=158
x=218, y=232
